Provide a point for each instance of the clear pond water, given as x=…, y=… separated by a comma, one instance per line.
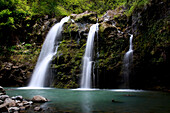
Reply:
x=98, y=101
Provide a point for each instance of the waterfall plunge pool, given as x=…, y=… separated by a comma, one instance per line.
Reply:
x=90, y=101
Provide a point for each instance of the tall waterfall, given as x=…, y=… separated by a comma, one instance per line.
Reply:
x=87, y=59
x=128, y=58
x=97, y=59
x=49, y=49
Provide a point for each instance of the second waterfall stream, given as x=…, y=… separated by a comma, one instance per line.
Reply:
x=86, y=81
x=127, y=61
x=49, y=49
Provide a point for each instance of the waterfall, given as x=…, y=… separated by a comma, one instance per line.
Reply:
x=47, y=52
x=97, y=59
x=87, y=59
x=128, y=58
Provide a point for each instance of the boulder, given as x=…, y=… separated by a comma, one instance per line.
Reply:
x=17, y=101
x=27, y=106
x=20, y=104
x=22, y=108
x=39, y=98
x=27, y=102
x=3, y=97
x=1, y=94
x=13, y=109
x=30, y=102
x=10, y=102
x=17, y=98
x=3, y=108
x=1, y=102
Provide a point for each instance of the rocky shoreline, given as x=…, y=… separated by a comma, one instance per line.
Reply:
x=17, y=104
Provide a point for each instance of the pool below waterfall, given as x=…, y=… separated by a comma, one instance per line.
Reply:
x=90, y=101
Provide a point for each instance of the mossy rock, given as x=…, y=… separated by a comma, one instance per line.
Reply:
x=67, y=64
x=70, y=30
x=86, y=17
x=104, y=27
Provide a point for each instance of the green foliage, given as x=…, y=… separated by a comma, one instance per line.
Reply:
x=135, y=4
x=22, y=49
x=66, y=7
x=13, y=12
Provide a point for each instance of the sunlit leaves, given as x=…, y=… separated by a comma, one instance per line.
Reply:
x=5, y=12
x=13, y=12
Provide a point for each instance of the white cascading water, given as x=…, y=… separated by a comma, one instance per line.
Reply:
x=128, y=58
x=47, y=52
x=87, y=59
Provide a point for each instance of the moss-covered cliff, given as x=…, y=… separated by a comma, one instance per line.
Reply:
x=150, y=26
x=147, y=20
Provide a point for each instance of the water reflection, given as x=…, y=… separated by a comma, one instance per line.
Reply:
x=86, y=102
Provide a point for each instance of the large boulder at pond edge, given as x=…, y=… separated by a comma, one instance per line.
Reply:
x=39, y=98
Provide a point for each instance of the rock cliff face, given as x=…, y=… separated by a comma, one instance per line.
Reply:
x=151, y=43
x=149, y=25
x=18, y=61
x=112, y=45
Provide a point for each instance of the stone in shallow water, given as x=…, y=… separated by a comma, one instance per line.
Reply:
x=13, y=109
x=30, y=102
x=22, y=108
x=27, y=106
x=37, y=109
x=39, y=98
x=27, y=102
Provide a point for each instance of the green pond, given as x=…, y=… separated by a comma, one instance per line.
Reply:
x=98, y=101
